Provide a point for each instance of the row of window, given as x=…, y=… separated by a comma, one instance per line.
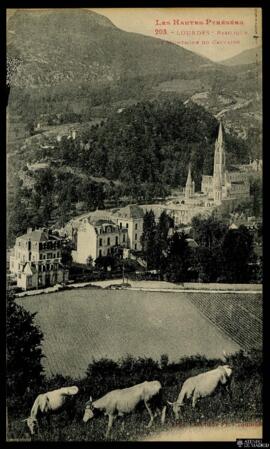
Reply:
x=47, y=267
x=46, y=245
x=50, y=255
x=42, y=256
x=121, y=225
x=50, y=245
x=108, y=252
x=109, y=241
x=116, y=240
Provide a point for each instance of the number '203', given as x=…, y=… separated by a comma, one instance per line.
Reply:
x=160, y=31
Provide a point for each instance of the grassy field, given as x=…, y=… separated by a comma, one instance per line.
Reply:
x=85, y=324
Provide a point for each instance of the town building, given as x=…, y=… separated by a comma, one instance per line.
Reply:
x=36, y=261
x=97, y=238
x=97, y=233
x=131, y=218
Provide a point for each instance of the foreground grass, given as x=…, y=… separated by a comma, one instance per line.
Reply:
x=245, y=406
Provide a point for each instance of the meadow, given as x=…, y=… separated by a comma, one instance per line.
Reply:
x=88, y=324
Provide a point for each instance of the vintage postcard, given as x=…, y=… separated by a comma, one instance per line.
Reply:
x=134, y=238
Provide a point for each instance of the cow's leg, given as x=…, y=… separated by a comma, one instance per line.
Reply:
x=122, y=416
x=110, y=423
x=150, y=413
x=163, y=414
x=195, y=398
x=122, y=423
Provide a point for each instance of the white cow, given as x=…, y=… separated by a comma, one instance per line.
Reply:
x=120, y=402
x=202, y=385
x=47, y=403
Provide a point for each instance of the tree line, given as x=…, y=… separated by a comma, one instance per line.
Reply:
x=219, y=254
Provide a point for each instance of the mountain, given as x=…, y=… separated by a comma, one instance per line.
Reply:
x=250, y=56
x=76, y=61
x=77, y=45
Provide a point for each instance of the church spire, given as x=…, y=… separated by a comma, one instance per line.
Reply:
x=190, y=185
x=219, y=157
x=219, y=175
x=189, y=180
x=220, y=135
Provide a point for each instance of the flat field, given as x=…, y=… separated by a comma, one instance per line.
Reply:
x=81, y=325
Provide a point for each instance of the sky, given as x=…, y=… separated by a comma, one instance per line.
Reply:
x=213, y=40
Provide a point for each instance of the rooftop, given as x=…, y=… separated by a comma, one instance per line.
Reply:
x=131, y=211
x=38, y=235
x=101, y=222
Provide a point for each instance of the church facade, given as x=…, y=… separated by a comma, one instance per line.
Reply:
x=223, y=185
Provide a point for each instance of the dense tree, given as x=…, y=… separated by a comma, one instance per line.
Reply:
x=208, y=232
x=206, y=263
x=176, y=263
x=165, y=224
x=237, y=251
x=24, y=351
x=149, y=240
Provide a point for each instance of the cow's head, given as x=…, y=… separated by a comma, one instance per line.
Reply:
x=225, y=373
x=176, y=408
x=88, y=412
x=32, y=424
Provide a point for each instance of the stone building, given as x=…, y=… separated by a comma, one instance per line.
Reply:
x=131, y=218
x=97, y=238
x=36, y=261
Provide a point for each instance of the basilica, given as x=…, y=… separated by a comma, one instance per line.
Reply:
x=222, y=188
x=223, y=185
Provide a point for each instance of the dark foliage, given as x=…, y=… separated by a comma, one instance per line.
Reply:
x=237, y=249
x=24, y=351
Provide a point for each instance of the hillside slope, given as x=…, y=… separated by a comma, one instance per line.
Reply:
x=250, y=56
x=60, y=46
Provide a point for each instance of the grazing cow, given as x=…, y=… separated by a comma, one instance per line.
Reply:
x=120, y=402
x=202, y=385
x=48, y=403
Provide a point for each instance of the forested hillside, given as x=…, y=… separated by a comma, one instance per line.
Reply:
x=140, y=153
x=153, y=142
